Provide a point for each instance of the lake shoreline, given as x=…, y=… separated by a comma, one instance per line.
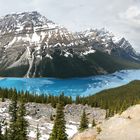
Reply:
x=71, y=87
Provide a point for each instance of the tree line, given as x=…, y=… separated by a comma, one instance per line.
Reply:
x=114, y=100
x=6, y=93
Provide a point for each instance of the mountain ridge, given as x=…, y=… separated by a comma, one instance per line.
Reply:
x=31, y=46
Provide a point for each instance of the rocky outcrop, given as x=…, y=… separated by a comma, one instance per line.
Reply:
x=120, y=127
x=86, y=135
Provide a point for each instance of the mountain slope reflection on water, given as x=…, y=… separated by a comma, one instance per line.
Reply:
x=74, y=86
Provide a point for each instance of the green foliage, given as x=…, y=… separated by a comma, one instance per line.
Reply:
x=51, y=118
x=99, y=130
x=111, y=63
x=18, y=124
x=3, y=99
x=1, y=135
x=115, y=100
x=21, y=122
x=37, y=133
x=59, y=128
x=64, y=67
x=6, y=134
x=93, y=123
x=84, y=121
x=31, y=97
x=13, y=131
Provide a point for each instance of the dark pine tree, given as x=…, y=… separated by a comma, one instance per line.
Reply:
x=51, y=117
x=83, y=122
x=12, y=131
x=22, y=123
x=37, y=133
x=3, y=99
x=59, y=128
x=1, y=135
x=6, y=134
x=93, y=122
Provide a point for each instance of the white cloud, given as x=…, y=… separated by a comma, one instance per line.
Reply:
x=129, y=20
x=132, y=15
x=82, y=14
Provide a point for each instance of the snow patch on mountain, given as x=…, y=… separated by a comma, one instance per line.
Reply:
x=67, y=54
x=88, y=52
x=35, y=37
x=49, y=56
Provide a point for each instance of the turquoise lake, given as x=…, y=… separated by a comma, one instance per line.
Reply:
x=74, y=86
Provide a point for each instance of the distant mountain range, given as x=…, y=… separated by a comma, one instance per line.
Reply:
x=33, y=46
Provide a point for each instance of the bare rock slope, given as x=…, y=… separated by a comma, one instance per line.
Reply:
x=120, y=127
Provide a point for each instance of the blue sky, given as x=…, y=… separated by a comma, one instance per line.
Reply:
x=122, y=17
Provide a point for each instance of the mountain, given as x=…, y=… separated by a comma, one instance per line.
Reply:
x=33, y=46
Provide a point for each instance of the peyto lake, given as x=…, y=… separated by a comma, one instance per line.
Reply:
x=74, y=86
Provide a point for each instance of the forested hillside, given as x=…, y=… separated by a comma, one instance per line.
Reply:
x=114, y=100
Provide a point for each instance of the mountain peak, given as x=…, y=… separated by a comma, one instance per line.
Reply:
x=23, y=13
x=29, y=40
x=17, y=22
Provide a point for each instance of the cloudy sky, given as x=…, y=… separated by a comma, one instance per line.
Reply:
x=122, y=17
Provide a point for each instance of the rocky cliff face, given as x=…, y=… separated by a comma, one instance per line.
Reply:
x=33, y=46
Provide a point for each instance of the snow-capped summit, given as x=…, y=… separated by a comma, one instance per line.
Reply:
x=33, y=46
x=105, y=41
x=24, y=22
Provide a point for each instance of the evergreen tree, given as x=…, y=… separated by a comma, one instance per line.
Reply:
x=93, y=123
x=83, y=122
x=106, y=114
x=12, y=131
x=22, y=123
x=59, y=128
x=37, y=133
x=3, y=99
x=1, y=135
x=77, y=101
x=51, y=117
x=6, y=134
